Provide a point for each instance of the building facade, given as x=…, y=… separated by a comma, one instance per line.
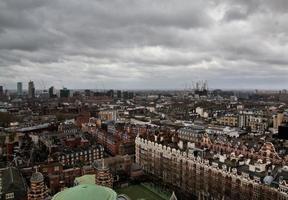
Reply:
x=19, y=89
x=103, y=176
x=86, y=156
x=38, y=188
x=228, y=120
x=201, y=178
x=31, y=89
x=64, y=93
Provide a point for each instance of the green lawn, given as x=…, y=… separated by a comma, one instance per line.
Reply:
x=138, y=192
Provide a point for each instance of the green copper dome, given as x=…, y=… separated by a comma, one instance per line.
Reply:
x=86, y=192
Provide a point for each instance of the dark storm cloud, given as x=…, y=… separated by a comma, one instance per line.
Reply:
x=144, y=43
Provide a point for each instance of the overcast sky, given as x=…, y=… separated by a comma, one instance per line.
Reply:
x=140, y=44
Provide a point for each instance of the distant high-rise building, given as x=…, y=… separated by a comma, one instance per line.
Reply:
x=110, y=93
x=44, y=94
x=19, y=89
x=201, y=88
x=31, y=89
x=131, y=95
x=87, y=93
x=51, y=92
x=1, y=91
x=64, y=93
x=125, y=95
x=119, y=94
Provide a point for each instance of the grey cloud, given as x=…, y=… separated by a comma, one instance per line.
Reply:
x=236, y=13
x=145, y=43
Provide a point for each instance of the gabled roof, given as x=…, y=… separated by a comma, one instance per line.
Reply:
x=173, y=196
x=12, y=181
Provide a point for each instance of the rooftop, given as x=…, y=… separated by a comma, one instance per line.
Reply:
x=87, y=192
x=86, y=179
x=37, y=177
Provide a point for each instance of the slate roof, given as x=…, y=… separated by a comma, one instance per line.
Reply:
x=12, y=181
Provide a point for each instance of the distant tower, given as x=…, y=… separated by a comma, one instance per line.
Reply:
x=64, y=93
x=19, y=89
x=31, y=89
x=197, y=85
x=1, y=91
x=51, y=92
x=103, y=176
x=205, y=85
x=38, y=190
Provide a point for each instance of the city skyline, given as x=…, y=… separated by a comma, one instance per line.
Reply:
x=144, y=44
x=41, y=86
x=143, y=99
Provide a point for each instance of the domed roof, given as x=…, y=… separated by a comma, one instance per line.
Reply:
x=37, y=177
x=87, y=192
x=268, y=180
x=85, y=179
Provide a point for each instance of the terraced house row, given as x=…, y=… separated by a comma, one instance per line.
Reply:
x=204, y=177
